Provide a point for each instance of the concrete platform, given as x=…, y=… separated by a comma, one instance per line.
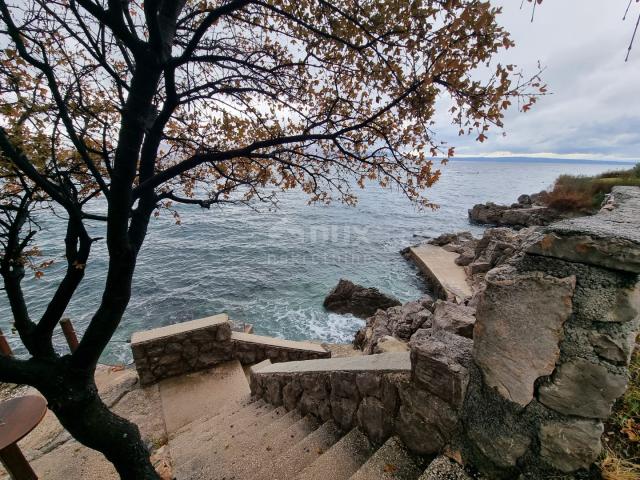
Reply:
x=201, y=394
x=449, y=279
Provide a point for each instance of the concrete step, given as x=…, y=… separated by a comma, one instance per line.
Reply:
x=392, y=461
x=251, y=450
x=302, y=454
x=205, y=438
x=342, y=460
x=209, y=392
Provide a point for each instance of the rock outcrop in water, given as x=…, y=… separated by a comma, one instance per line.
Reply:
x=527, y=212
x=347, y=297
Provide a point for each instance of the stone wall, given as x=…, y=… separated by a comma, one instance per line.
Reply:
x=191, y=346
x=554, y=333
x=417, y=397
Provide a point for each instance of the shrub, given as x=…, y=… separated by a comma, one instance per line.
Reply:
x=579, y=193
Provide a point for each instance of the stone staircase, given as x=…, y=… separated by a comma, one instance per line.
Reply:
x=236, y=436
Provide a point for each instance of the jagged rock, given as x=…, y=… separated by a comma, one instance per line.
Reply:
x=347, y=297
x=389, y=344
x=425, y=422
x=517, y=215
x=518, y=329
x=458, y=238
x=504, y=450
x=399, y=322
x=375, y=420
x=454, y=318
x=569, y=446
x=584, y=389
x=614, y=348
x=609, y=239
x=444, y=469
x=525, y=199
x=439, y=364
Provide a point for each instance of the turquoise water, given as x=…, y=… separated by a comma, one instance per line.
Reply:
x=273, y=268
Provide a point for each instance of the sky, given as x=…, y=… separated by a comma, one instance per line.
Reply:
x=593, y=111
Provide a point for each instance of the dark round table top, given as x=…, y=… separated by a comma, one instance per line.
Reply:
x=19, y=416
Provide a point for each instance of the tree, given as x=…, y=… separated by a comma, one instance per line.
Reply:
x=141, y=105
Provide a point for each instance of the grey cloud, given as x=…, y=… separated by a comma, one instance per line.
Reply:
x=595, y=105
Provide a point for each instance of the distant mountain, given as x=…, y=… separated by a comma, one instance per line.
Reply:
x=543, y=160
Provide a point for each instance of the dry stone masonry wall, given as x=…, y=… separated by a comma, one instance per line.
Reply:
x=553, y=339
x=199, y=344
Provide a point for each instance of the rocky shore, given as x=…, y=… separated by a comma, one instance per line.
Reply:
x=545, y=339
x=528, y=211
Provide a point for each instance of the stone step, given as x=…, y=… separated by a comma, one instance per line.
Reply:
x=206, y=437
x=209, y=392
x=302, y=454
x=253, y=453
x=391, y=461
x=342, y=460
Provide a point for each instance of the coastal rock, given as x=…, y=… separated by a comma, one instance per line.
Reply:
x=584, y=389
x=425, y=422
x=609, y=239
x=399, y=322
x=454, y=318
x=517, y=334
x=569, y=446
x=389, y=344
x=347, y=297
x=516, y=215
x=440, y=364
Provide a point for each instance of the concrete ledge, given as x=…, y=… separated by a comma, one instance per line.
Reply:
x=178, y=328
x=249, y=349
x=382, y=363
x=276, y=342
x=449, y=279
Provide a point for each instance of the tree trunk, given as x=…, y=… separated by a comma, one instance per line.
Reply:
x=73, y=397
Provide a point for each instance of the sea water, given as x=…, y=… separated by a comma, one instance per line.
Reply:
x=273, y=268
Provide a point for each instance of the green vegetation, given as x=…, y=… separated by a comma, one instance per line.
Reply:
x=585, y=194
x=621, y=455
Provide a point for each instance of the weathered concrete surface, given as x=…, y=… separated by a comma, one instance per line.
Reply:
x=609, y=239
x=519, y=326
x=347, y=297
x=55, y=455
x=189, y=397
x=439, y=265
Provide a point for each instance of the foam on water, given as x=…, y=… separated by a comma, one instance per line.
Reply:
x=273, y=269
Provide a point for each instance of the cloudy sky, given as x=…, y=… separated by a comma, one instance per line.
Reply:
x=594, y=109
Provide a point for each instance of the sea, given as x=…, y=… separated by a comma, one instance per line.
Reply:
x=272, y=267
